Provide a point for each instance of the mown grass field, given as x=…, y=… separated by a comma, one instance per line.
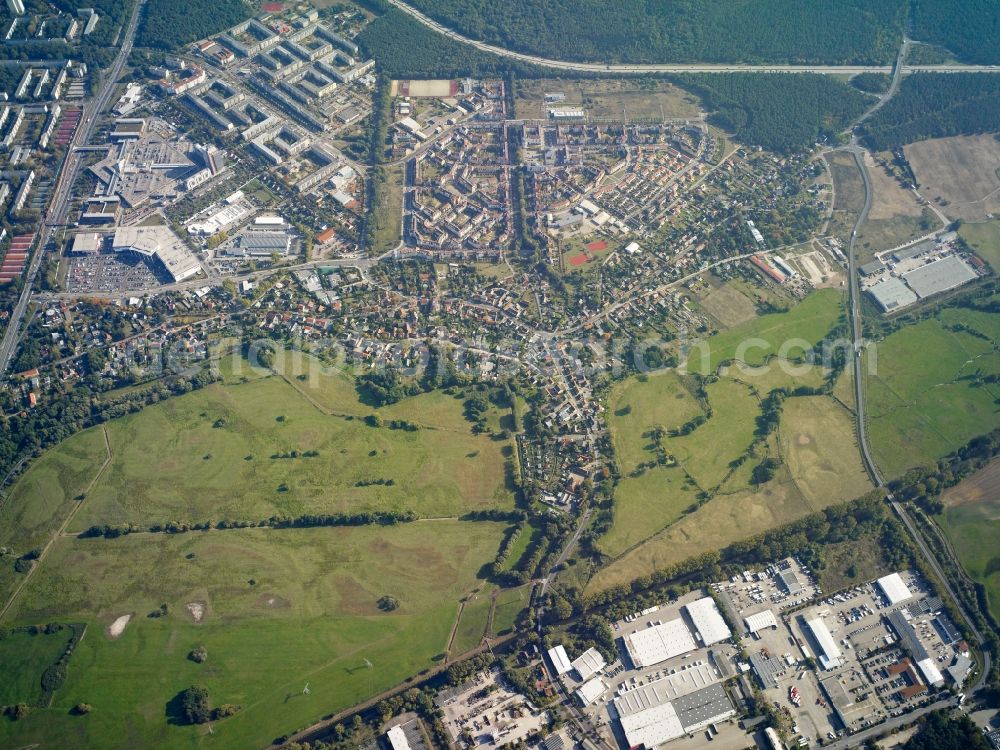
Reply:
x=45, y=496
x=310, y=617
x=971, y=519
x=763, y=337
x=24, y=658
x=924, y=397
x=208, y=455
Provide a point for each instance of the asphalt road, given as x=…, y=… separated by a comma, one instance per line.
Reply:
x=681, y=68
x=64, y=183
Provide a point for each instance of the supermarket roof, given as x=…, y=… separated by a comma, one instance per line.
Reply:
x=892, y=294
x=708, y=620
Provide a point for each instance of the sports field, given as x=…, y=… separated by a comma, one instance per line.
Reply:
x=211, y=455
x=972, y=521
x=282, y=608
x=926, y=398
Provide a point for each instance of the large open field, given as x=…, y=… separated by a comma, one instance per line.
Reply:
x=282, y=608
x=924, y=396
x=961, y=174
x=896, y=215
x=972, y=521
x=614, y=99
x=729, y=306
x=755, y=341
x=209, y=455
x=660, y=508
x=820, y=466
x=984, y=238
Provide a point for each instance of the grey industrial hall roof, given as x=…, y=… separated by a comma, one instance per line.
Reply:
x=892, y=294
x=791, y=581
x=940, y=276
x=694, y=708
x=767, y=669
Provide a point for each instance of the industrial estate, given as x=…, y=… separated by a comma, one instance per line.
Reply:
x=381, y=375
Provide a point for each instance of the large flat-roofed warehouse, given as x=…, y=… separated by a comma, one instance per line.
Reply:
x=589, y=663
x=659, y=642
x=261, y=244
x=940, y=276
x=707, y=620
x=892, y=294
x=853, y=708
x=826, y=647
x=893, y=588
x=159, y=243
x=648, y=721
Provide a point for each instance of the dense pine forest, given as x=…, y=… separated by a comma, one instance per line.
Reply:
x=405, y=48
x=930, y=105
x=649, y=31
x=782, y=113
x=168, y=24
x=969, y=28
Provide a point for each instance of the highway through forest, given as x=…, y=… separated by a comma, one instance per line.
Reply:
x=63, y=188
x=641, y=69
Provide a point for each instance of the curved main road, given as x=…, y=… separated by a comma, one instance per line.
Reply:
x=635, y=69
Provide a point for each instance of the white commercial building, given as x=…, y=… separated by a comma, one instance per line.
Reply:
x=930, y=672
x=659, y=642
x=560, y=660
x=397, y=739
x=708, y=621
x=589, y=663
x=894, y=589
x=590, y=691
x=761, y=621
x=648, y=719
x=829, y=654
x=160, y=243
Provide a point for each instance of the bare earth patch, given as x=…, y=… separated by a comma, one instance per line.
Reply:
x=196, y=610
x=981, y=487
x=116, y=628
